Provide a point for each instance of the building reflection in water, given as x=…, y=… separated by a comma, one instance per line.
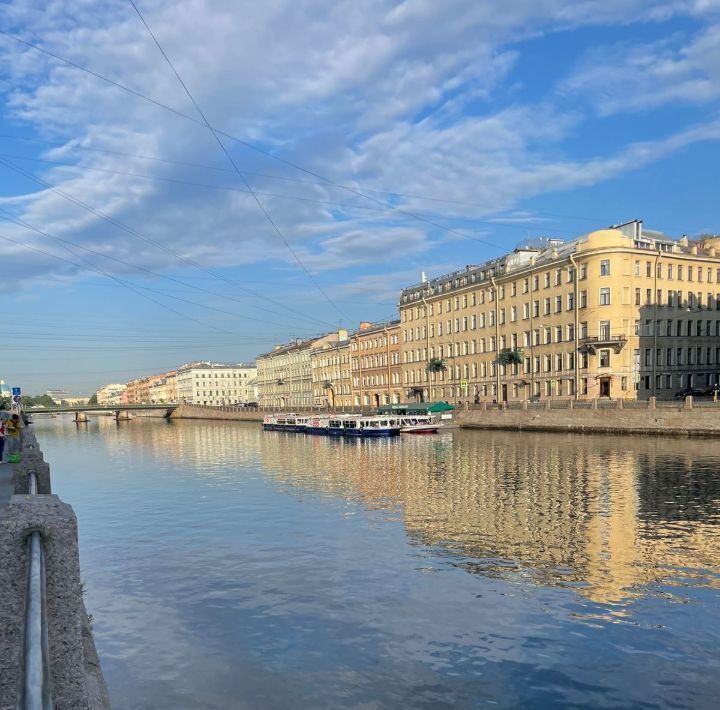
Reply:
x=607, y=515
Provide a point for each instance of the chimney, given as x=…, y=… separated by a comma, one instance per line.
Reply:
x=365, y=325
x=423, y=277
x=694, y=249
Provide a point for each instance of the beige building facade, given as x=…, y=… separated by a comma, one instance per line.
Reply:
x=284, y=375
x=620, y=313
x=164, y=389
x=376, y=365
x=110, y=394
x=330, y=371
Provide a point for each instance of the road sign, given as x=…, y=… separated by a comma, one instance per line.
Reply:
x=16, y=392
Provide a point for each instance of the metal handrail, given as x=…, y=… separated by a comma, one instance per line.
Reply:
x=36, y=693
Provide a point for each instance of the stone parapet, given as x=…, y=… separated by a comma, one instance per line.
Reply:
x=620, y=420
x=75, y=676
x=189, y=411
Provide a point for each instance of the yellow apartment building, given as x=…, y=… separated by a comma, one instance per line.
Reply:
x=376, y=364
x=621, y=312
x=284, y=375
x=330, y=372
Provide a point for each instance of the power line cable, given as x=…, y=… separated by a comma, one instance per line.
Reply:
x=16, y=220
x=267, y=215
x=269, y=176
x=114, y=278
x=342, y=205
x=138, y=235
x=249, y=145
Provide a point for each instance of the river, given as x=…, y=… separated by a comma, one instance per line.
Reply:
x=227, y=567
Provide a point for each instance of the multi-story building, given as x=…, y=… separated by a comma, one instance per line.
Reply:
x=622, y=313
x=330, y=373
x=110, y=394
x=284, y=375
x=376, y=365
x=138, y=391
x=164, y=389
x=215, y=383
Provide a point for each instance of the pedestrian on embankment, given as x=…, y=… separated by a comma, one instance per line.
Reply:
x=13, y=435
x=3, y=432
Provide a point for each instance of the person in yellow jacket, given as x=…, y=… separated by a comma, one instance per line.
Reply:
x=12, y=428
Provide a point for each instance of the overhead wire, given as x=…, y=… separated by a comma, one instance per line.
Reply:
x=262, y=207
x=249, y=145
x=269, y=176
x=114, y=278
x=177, y=181
x=16, y=220
x=139, y=289
x=135, y=233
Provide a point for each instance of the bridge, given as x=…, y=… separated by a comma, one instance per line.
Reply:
x=82, y=410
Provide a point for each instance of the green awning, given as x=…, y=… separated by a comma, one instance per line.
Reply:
x=416, y=408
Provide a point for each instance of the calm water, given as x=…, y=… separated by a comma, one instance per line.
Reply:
x=231, y=568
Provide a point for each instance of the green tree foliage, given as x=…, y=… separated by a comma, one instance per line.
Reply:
x=93, y=399
x=42, y=400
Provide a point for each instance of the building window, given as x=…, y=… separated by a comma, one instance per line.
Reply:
x=605, y=267
x=604, y=358
x=604, y=296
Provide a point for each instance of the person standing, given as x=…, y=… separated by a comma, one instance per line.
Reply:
x=13, y=434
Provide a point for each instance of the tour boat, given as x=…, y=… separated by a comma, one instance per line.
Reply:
x=285, y=422
x=372, y=426
x=355, y=425
x=418, y=425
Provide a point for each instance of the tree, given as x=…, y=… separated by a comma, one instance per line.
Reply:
x=93, y=399
x=42, y=400
x=436, y=365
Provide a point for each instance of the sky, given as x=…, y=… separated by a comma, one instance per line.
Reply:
x=352, y=146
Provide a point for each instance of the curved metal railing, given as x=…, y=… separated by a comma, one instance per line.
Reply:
x=35, y=692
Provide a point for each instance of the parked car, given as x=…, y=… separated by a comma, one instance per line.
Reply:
x=689, y=392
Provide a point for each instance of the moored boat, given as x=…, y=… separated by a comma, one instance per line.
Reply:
x=419, y=425
x=285, y=422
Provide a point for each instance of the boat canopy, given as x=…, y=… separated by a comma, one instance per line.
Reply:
x=416, y=408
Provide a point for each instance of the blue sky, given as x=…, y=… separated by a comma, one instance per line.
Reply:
x=382, y=138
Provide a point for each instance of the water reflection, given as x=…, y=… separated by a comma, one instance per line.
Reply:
x=609, y=515
x=230, y=567
x=606, y=514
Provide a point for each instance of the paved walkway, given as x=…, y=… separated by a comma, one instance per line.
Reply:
x=6, y=487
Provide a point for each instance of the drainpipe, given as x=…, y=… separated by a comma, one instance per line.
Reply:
x=497, y=338
x=577, y=328
x=387, y=361
x=360, y=384
x=427, y=342
x=655, y=325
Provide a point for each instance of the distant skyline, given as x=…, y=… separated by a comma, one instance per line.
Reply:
x=382, y=138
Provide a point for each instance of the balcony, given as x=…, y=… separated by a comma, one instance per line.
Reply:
x=591, y=344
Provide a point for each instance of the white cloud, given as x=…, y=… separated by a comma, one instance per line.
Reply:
x=376, y=94
x=626, y=78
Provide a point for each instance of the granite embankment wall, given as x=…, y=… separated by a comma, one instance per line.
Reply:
x=663, y=418
x=610, y=417
x=190, y=411
x=76, y=679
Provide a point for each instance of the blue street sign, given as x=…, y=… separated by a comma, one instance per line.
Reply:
x=16, y=391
